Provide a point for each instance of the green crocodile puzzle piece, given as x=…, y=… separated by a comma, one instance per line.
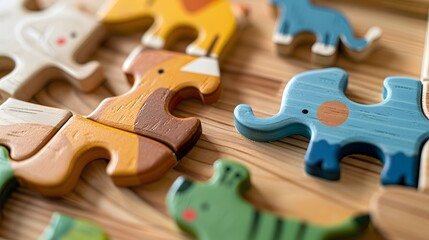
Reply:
x=8, y=182
x=217, y=210
x=63, y=227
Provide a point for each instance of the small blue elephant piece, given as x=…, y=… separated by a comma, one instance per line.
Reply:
x=314, y=105
x=329, y=26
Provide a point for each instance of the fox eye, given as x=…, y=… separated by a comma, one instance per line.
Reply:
x=161, y=71
x=73, y=34
x=205, y=206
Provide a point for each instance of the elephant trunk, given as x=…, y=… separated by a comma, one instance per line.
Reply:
x=262, y=129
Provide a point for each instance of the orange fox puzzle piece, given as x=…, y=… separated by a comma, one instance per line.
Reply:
x=136, y=132
x=214, y=21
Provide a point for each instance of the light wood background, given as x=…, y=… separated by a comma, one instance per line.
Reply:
x=255, y=75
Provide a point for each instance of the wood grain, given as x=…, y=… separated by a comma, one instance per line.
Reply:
x=416, y=7
x=252, y=74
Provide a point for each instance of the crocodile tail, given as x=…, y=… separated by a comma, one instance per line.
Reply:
x=349, y=229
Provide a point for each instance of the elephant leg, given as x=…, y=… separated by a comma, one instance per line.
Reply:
x=400, y=169
x=323, y=160
x=283, y=36
x=326, y=45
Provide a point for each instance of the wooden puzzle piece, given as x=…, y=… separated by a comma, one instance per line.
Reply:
x=398, y=212
x=25, y=127
x=55, y=168
x=158, y=85
x=63, y=227
x=218, y=210
x=215, y=22
x=314, y=105
x=402, y=213
x=135, y=131
x=46, y=45
x=330, y=28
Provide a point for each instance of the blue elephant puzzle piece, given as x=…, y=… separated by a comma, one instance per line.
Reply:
x=329, y=27
x=314, y=105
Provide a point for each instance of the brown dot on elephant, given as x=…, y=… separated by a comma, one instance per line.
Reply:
x=333, y=113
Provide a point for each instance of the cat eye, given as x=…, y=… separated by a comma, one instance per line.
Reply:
x=305, y=111
x=73, y=35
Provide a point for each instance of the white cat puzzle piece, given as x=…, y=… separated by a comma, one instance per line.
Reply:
x=46, y=45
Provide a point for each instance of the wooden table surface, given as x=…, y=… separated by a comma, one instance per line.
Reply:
x=253, y=74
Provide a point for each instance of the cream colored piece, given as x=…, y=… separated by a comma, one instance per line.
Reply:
x=46, y=45
x=18, y=112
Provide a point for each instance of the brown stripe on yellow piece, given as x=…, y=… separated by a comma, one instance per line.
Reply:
x=155, y=121
x=160, y=80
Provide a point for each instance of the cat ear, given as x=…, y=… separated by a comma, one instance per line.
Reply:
x=231, y=175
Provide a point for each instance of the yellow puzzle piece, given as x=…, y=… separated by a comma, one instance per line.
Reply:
x=214, y=21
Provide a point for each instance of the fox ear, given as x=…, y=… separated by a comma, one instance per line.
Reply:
x=196, y=5
x=231, y=175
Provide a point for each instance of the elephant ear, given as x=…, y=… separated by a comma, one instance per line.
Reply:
x=194, y=6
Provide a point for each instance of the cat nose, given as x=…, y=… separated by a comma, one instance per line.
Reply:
x=61, y=41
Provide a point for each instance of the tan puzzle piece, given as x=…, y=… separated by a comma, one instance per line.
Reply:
x=136, y=131
x=26, y=127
